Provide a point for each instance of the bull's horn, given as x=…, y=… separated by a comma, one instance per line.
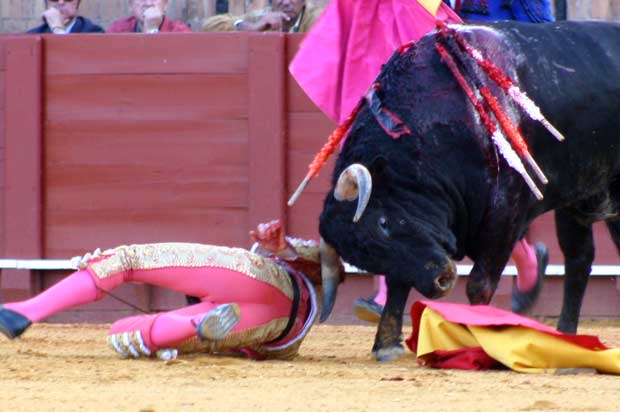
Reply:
x=330, y=277
x=354, y=182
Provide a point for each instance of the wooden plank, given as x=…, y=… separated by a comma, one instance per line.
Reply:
x=140, y=54
x=303, y=217
x=181, y=134
x=309, y=131
x=146, y=165
x=73, y=232
x=543, y=229
x=172, y=98
x=23, y=193
x=2, y=185
x=3, y=42
x=2, y=94
x=293, y=41
x=3, y=90
x=132, y=190
x=267, y=127
x=299, y=166
x=172, y=146
x=23, y=146
x=297, y=100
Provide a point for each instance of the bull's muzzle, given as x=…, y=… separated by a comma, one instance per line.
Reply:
x=446, y=280
x=330, y=277
x=355, y=182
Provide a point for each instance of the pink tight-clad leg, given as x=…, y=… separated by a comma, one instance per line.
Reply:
x=169, y=329
x=524, y=257
x=381, y=288
x=74, y=290
x=259, y=301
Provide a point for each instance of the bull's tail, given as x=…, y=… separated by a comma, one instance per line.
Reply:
x=614, y=230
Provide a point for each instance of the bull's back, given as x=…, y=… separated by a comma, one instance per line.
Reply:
x=572, y=71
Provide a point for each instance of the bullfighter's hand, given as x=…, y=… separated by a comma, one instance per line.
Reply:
x=54, y=19
x=270, y=236
x=153, y=16
x=269, y=22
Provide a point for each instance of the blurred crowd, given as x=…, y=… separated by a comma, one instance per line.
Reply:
x=150, y=16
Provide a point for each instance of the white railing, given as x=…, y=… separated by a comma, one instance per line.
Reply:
x=462, y=270
x=511, y=270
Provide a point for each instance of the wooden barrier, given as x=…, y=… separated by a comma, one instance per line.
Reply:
x=22, y=225
x=193, y=137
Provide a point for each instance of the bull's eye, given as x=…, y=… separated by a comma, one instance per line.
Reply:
x=383, y=226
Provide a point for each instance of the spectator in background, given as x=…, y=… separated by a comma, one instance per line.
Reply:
x=149, y=16
x=60, y=17
x=290, y=16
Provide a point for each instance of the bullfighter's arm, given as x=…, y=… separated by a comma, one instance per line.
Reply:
x=271, y=240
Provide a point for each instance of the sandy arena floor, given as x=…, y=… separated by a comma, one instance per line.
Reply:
x=69, y=368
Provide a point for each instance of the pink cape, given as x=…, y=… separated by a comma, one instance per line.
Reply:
x=343, y=52
x=475, y=358
x=484, y=315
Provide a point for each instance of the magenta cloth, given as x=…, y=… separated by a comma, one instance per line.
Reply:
x=484, y=315
x=128, y=25
x=343, y=52
x=472, y=359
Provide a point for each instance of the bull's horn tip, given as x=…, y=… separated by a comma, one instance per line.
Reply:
x=323, y=317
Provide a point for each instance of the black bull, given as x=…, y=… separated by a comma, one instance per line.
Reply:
x=441, y=192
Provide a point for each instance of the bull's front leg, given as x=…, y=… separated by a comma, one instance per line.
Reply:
x=483, y=279
x=577, y=243
x=388, y=340
x=494, y=250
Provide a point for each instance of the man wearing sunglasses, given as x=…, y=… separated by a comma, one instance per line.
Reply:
x=148, y=16
x=60, y=17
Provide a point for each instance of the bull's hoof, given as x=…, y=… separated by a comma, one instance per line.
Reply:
x=523, y=301
x=389, y=354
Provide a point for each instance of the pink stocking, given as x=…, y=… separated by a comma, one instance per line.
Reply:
x=524, y=257
x=169, y=329
x=259, y=302
x=381, y=288
x=75, y=290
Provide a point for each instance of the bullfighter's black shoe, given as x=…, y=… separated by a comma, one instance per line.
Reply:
x=368, y=310
x=523, y=301
x=12, y=324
